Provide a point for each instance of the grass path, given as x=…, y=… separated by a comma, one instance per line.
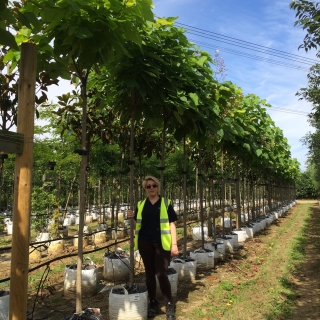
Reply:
x=306, y=277
x=263, y=281
x=271, y=295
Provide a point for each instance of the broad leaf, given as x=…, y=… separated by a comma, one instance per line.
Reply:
x=163, y=21
x=7, y=39
x=194, y=97
x=202, y=60
x=258, y=152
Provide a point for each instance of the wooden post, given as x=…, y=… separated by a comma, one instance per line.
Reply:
x=22, y=185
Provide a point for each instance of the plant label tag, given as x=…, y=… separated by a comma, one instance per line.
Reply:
x=135, y=297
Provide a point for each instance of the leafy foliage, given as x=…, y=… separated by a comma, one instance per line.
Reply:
x=308, y=15
x=43, y=201
x=305, y=187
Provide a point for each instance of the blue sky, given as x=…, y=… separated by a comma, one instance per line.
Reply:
x=266, y=23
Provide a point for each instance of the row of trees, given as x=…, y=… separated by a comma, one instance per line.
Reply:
x=76, y=37
x=142, y=91
x=158, y=81
x=308, y=14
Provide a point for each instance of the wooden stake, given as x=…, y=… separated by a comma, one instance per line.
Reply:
x=22, y=185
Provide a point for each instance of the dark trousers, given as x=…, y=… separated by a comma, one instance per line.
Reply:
x=156, y=262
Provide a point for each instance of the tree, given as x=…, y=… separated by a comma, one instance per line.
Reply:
x=6, y=21
x=308, y=15
x=84, y=35
x=305, y=185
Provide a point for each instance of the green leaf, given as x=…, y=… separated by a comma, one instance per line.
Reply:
x=130, y=3
x=53, y=16
x=33, y=20
x=68, y=40
x=145, y=9
x=194, y=97
x=7, y=39
x=163, y=21
x=7, y=15
x=131, y=34
x=202, y=60
x=184, y=99
x=23, y=20
x=220, y=133
x=83, y=33
x=247, y=146
x=30, y=7
x=241, y=111
x=258, y=152
x=177, y=116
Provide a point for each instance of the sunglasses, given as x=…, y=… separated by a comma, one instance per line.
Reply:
x=149, y=186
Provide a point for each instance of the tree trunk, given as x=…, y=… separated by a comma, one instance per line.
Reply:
x=238, y=202
x=69, y=195
x=222, y=195
x=185, y=203
x=131, y=163
x=2, y=157
x=212, y=228
x=162, y=159
x=201, y=197
x=82, y=194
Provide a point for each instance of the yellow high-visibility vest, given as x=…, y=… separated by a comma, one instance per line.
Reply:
x=164, y=224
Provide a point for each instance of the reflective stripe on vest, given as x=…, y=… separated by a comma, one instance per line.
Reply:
x=164, y=224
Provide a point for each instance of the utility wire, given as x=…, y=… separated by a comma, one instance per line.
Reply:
x=250, y=56
x=289, y=111
x=255, y=47
x=247, y=45
x=261, y=51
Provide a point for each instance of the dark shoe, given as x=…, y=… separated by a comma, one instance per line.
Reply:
x=153, y=309
x=170, y=311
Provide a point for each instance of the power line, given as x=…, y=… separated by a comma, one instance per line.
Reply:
x=258, y=48
x=269, y=53
x=250, y=56
x=289, y=111
x=247, y=45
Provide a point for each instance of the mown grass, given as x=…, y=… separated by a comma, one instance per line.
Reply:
x=296, y=255
x=269, y=294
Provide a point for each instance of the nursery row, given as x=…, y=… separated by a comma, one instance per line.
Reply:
x=130, y=302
